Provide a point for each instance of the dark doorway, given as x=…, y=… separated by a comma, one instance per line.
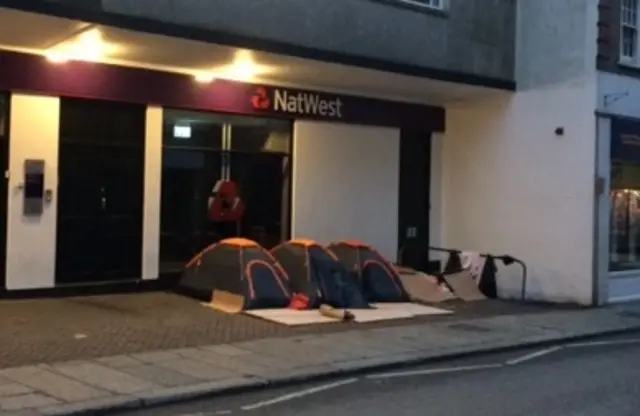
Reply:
x=201, y=148
x=414, y=197
x=100, y=191
x=4, y=163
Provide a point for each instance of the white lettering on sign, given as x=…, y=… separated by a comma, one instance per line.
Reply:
x=306, y=103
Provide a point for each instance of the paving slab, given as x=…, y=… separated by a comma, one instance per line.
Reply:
x=259, y=346
x=104, y=378
x=14, y=389
x=26, y=401
x=159, y=376
x=236, y=364
x=371, y=344
x=301, y=374
x=52, y=384
x=299, y=354
x=119, y=402
x=349, y=345
x=364, y=363
x=118, y=361
x=227, y=350
x=197, y=369
x=154, y=356
x=160, y=396
x=24, y=412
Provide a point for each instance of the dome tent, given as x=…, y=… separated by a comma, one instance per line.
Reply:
x=316, y=273
x=241, y=268
x=378, y=279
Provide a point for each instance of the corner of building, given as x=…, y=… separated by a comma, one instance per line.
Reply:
x=518, y=169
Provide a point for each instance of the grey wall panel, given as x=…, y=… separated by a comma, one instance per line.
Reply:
x=474, y=36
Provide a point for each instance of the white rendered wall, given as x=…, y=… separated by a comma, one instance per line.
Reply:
x=152, y=189
x=509, y=183
x=31, y=241
x=345, y=184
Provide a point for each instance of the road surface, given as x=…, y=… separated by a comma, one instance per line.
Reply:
x=593, y=379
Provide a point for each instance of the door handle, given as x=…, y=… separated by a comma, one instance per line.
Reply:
x=103, y=199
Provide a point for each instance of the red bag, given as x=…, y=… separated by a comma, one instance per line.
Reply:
x=299, y=302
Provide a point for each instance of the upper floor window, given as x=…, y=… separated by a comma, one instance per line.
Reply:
x=430, y=4
x=629, y=31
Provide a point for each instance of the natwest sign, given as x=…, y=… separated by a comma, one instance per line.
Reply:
x=309, y=104
x=300, y=103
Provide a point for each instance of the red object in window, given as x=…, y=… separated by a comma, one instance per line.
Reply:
x=225, y=203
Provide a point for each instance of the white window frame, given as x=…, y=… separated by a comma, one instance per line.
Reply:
x=440, y=5
x=625, y=59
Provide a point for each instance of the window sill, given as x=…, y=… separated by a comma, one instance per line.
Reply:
x=408, y=5
x=628, y=64
x=624, y=274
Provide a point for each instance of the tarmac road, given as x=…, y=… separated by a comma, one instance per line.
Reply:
x=598, y=379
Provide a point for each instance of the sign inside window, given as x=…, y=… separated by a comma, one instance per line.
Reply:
x=182, y=132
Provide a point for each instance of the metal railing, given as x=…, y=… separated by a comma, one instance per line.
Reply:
x=506, y=259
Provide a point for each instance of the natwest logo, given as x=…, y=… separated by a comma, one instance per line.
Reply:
x=305, y=103
x=260, y=100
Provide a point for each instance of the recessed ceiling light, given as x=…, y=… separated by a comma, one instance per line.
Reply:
x=244, y=71
x=204, y=78
x=87, y=46
x=56, y=57
x=243, y=68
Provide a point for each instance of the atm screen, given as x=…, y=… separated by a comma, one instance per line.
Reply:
x=34, y=186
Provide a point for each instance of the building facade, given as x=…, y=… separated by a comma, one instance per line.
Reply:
x=470, y=125
x=618, y=134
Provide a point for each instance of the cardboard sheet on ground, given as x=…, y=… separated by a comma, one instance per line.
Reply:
x=291, y=317
x=226, y=302
x=424, y=288
x=395, y=310
x=378, y=312
x=464, y=286
x=414, y=308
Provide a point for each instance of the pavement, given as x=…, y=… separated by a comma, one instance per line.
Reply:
x=595, y=378
x=156, y=377
x=38, y=331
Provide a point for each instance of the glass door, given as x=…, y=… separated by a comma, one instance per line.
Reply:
x=260, y=161
x=201, y=150
x=191, y=164
x=101, y=191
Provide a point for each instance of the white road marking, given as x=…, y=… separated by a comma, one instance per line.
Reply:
x=602, y=343
x=217, y=412
x=433, y=371
x=298, y=394
x=533, y=355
